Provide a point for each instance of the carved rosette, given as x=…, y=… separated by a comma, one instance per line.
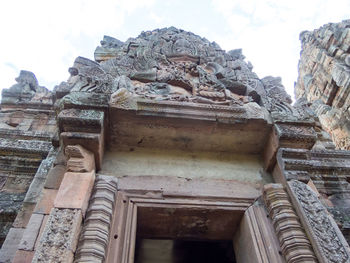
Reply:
x=294, y=243
x=325, y=236
x=93, y=242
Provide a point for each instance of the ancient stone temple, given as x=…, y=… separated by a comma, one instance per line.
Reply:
x=324, y=78
x=166, y=148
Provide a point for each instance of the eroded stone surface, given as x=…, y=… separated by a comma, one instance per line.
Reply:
x=27, y=126
x=325, y=236
x=75, y=190
x=59, y=239
x=31, y=233
x=294, y=243
x=80, y=160
x=95, y=234
x=9, y=247
x=26, y=89
x=169, y=64
x=324, y=78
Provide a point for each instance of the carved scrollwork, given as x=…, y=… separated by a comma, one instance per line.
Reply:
x=168, y=64
x=327, y=240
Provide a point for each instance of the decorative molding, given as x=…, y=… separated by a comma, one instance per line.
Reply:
x=146, y=208
x=58, y=241
x=94, y=237
x=294, y=243
x=325, y=236
x=329, y=170
x=81, y=120
x=296, y=136
x=25, y=147
x=190, y=110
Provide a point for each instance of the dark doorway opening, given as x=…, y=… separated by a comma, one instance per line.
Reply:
x=183, y=251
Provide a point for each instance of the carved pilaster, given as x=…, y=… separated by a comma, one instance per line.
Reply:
x=93, y=242
x=294, y=243
x=58, y=241
x=326, y=238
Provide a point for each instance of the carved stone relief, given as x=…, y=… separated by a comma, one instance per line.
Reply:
x=168, y=64
x=295, y=245
x=95, y=234
x=326, y=238
x=58, y=242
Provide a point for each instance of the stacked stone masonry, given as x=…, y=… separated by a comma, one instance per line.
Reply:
x=164, y=132
x=324, y=78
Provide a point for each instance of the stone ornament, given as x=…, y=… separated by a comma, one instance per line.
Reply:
x=171, y=64
x=95, y=234
x=326, y=238
x=294, y=243
x=26, y=89
x=58, y=241
x=167, y=64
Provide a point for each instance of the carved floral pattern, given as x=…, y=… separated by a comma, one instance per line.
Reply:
x=324, y=231
x=58, y=242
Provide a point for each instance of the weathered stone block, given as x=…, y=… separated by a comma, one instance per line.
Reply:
x=24, y=215
x=94, y=237
x=45, y=204
x=44, y=167
x=75, y=191
x=18, y=183
x=293, y=241
x=60, y=236
x=23, y=256
x=91, y=141
x=31, y=232
x=34, y=190
x=43, y=224
x=80, y=160
x=9, y=248
x=25, y=147
x=71, y=120
x=55, y=176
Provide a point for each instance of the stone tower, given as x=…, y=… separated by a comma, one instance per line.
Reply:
x=324, y=78
x=166, y=142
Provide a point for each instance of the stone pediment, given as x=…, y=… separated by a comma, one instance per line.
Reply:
x=175, y=69
x=168, y=65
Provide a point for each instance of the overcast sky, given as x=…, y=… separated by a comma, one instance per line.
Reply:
x=46, y=36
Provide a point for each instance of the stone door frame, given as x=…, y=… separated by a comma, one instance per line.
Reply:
x=123, y=235
x=253, y=235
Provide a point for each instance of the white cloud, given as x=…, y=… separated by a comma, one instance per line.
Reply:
x=270, y=38
x=41, y=35
x=156, y=18
x=46, y=36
